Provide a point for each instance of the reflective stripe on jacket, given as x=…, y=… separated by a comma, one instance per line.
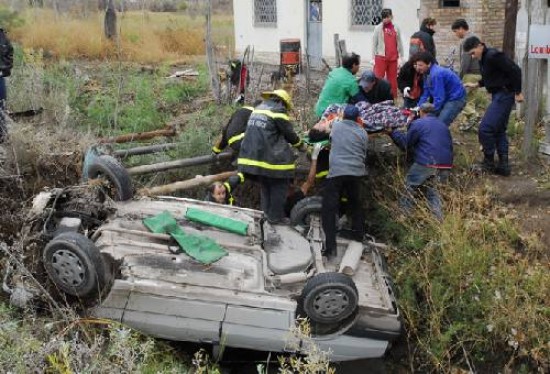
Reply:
x=234, y=130
x=265, y=149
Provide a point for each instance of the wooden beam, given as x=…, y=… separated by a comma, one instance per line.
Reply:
x=176, y=164
x=185, y=185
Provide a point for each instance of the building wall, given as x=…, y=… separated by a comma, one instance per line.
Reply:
x=266, y=40
x=485, y=18
x=291, y=16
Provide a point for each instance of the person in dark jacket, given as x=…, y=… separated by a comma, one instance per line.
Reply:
x=265, y=154
x=502, y=79
x=222, y=192
x=409, y=82
x=348, y=153
x=233, y=132
x=425, y=35
x=442, y=86
x=430, y=141
x=372, y=89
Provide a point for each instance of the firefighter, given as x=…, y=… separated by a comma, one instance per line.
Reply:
x=265, y=154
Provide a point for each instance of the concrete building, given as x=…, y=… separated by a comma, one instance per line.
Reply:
x=263, y=23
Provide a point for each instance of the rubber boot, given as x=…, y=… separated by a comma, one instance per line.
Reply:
x=487, y=165
x=503, y=167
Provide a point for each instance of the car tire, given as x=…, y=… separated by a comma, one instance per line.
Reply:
x=119, y=181
x=329, y=298
x=300, y=213
x=74, y=265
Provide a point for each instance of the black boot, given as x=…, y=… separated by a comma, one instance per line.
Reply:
x=485, y=166
x=503, y=167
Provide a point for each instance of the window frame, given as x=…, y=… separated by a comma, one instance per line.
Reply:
x=367, y=27
x=442, y=4
x=270, y=24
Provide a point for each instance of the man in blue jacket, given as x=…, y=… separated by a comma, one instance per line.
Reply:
x=441, y=86
x=430, y=141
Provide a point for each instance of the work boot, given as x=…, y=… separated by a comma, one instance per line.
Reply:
x=486, y=166
x=503, y=167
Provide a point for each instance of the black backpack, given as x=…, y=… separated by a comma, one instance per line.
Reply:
x=6, y=54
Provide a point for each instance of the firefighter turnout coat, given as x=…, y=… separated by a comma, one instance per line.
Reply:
x=233, y=132
x=265, y=149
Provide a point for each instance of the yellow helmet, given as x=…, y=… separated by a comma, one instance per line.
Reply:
x=281, y=94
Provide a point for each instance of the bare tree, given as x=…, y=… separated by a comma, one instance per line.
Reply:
x=110, y=20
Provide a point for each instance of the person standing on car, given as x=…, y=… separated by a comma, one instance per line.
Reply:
x=340, y=85
x=348, y=154
x=502, y=78
x=442, y=86
x=233, y=132
x=430, y=141
x=387, y=49
x=265, y=154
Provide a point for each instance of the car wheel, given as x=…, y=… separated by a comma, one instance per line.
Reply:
x=329, y=298
x=74, y=264
x=302, y=211
x=119, y=182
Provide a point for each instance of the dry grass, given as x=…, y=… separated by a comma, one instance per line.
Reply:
x=144, y=37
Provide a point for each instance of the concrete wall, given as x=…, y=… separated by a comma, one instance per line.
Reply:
x=291, y=17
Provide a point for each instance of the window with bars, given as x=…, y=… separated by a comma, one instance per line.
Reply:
x=449, y=3
x=265, y=12
x=365, y=12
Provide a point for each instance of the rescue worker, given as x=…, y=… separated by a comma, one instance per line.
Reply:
x=430, y=141
x=233, y=132
x=372, y=89
x=340, y=85
x=440, y=85
x=502, y=78
x=222, y=192
x=347, y=158
x=409, y=82
x=265, y=154
x=426, y=36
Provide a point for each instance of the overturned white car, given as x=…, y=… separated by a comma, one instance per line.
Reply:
x=266, y=278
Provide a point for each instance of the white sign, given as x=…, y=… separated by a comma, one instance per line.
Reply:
x=539, y=41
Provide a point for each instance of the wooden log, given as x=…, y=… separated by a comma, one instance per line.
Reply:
x=193, y=161
x=122, y=153
x=351, y=258
x=168, y=131
x=185, y=185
